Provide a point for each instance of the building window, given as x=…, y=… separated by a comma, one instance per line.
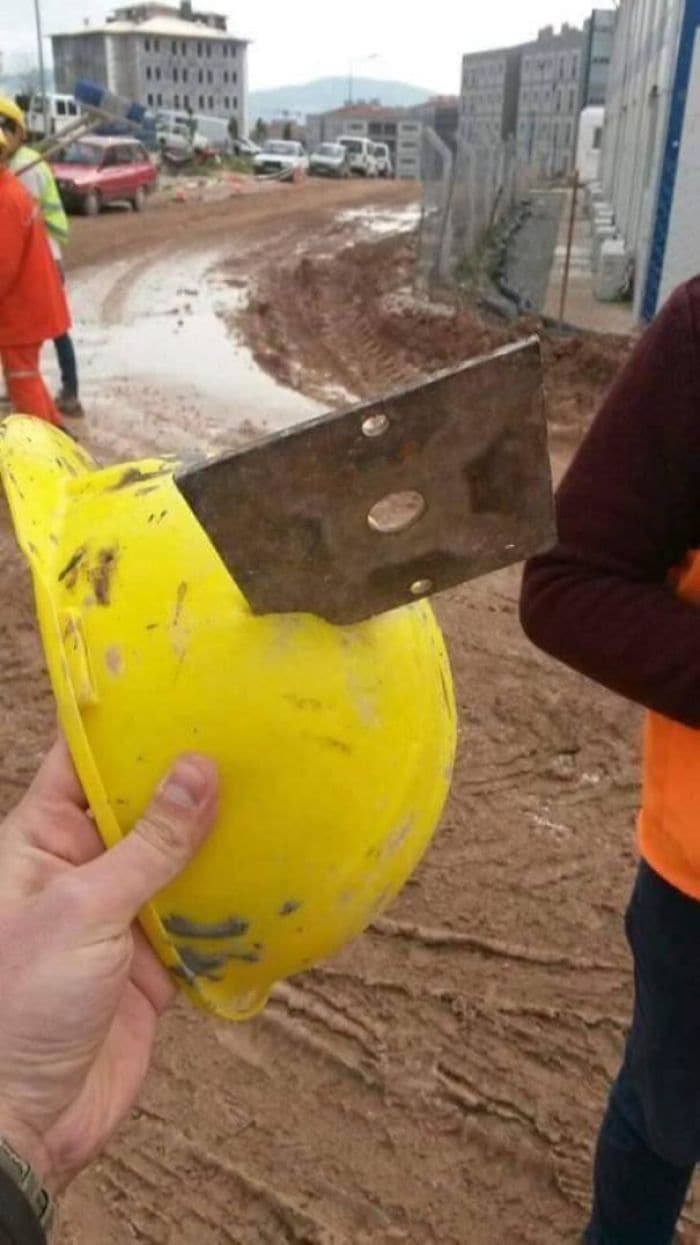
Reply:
x=226, y=102
x=210, y=76
x=183, y=48
x=226, y=75
x=598, y=138
x=572, y=100
x=235, y=103
x=574, y=67
x=211, y=101
x=173, y=47
x=186, y=101
x=177, y=100
x=147, y=44
x=156, y=45
x=200, y=50
x=201, y=76
x=160, y=99
x=148, y=72
x=209, y=49
x=175, y=74
x=158, y=72
x=225, y=50
x=568, y=135
x=184, y=75
x=235, y=79
x=201, y=101
x=149, y=100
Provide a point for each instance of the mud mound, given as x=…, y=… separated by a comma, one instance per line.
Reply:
x=351, y=319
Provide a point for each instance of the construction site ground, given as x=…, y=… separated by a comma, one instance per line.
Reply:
x=440, y=1082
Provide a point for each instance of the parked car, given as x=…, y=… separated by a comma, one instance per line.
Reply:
x=361, y=157
x=383, y=157
x=280, y=156
x=329, y=160
x=61, y=110
x=244, y=147
x=94, y=171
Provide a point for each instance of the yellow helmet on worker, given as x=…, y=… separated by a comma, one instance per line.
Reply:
x=13, y=112
x=335, y=745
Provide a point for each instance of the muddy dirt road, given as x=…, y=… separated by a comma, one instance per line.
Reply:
x=440, y=1082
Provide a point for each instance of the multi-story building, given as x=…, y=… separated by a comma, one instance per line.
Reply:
x=441, y=113
x=600, y=37
x=490, y=91
x=163, y=57
x=397, y=127
x=650, y=169
x=550, y=101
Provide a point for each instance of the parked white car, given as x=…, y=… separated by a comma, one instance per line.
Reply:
x=60, y=110
x=383, y=157
x=360, y=155
x=282, y=157
x=330, y=160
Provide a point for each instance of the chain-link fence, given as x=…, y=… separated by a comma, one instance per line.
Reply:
x=464, y=196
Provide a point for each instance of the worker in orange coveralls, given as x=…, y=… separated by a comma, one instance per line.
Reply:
x=33, y=306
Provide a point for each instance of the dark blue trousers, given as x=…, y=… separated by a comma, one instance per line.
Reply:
x=650, y=1138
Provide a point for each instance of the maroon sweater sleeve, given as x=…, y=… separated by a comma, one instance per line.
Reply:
x=628, y=510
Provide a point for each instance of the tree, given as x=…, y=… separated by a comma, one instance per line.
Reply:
x=260, y=132
x=288, y=132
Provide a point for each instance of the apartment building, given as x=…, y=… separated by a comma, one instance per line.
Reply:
x=163, y=57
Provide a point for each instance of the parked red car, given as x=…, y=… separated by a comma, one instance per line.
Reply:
x=93, y=171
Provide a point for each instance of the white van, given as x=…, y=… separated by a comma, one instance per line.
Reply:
x=361, y=156
x=206, y=131
x=62, y=109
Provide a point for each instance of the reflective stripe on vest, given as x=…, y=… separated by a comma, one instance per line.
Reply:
x=669, y=823
x=50, y=203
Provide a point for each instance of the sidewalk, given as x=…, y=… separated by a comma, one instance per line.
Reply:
x=582, y=307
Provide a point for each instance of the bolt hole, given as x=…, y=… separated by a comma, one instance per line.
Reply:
x=396, y=512
x=421, y=587
x=375, y=425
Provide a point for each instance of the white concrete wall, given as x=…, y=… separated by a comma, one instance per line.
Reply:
x=636, y=120
x=682, y=259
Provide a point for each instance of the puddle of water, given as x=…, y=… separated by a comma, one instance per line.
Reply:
x=168, y=335
x=382, y=220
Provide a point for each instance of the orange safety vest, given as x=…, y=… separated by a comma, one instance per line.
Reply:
x=669, y=823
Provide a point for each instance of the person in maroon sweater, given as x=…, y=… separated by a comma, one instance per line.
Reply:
x=617, y=599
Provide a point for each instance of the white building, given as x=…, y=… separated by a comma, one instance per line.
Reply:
x=650, y=169
x=163, y=57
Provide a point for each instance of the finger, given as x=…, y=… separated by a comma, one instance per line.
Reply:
x=57, y=780
x=117, y=885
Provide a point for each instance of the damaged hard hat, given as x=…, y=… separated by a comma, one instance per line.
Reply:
x=335, y=745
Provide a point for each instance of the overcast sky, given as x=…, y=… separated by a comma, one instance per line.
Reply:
x=295, y=42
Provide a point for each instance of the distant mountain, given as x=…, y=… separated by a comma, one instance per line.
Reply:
x=326, y=93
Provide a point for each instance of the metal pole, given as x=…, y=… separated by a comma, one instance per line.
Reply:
x=42, y=74
x=569, y=245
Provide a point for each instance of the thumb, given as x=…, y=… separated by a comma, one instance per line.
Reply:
x=161, y=844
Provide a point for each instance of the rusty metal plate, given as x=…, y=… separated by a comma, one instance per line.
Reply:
x=360, y=511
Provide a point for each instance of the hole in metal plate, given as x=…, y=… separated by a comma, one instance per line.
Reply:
x=421, y=587
x=396, y=512
x=375, y=425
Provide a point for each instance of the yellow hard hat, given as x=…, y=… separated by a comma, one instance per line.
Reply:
x=335, y=745
x=8, y=108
